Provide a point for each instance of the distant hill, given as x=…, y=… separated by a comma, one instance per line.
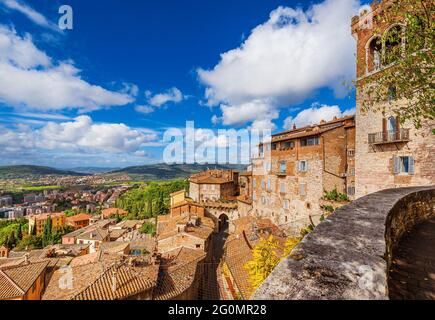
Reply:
x=93, y=170
x=27, y=171
x=164, y=171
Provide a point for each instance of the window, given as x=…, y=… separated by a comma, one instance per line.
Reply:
x=282, y=167
x=254, y=197
x=351, y=172
x=263, y=186
x=273, y=146
x=288, y=145
x=403, y=165
x=263, y=200
x=310, y=141
x=302, y=189
x=351, y=152
x=286, y=204
x=375, y=54
x=282, y=187
x=351, y=190
x=268, y=184
x=393, y=45
x=303, y=166
x=198, y=246
x=254, y=183
x=392, y=124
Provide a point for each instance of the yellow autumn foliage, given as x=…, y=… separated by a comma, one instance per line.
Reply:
x=265, y=258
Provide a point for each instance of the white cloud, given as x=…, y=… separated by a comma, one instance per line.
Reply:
x=158, y=100
x=172, y=95
x=79, y=135
x=30, y=13
x=30, y=79
x=315, y=114
x=144, y=109
x=284, y=61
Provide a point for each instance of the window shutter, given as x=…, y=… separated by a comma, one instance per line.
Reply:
x=396, y=165
x=306, y=165
x=411, y=165
x=302, y=189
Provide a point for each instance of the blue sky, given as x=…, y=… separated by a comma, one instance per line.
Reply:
x=103, y=93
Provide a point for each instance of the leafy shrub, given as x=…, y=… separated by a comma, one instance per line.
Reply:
x=334, y=195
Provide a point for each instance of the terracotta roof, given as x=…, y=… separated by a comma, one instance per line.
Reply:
x=79, y=217
x=45, y=216
x=210, y=180
x=120, y=282
x=178, y=272
x=94, y=257
x=82, y=276
x=310, y=130
x=96, y=235
x=15, y=281
x=117, y=233
x=201, y=232
x=114, y=247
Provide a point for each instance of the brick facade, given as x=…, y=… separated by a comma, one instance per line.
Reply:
x=389, y=154
x=304, y=163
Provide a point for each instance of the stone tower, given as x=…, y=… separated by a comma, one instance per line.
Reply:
x=388, y=154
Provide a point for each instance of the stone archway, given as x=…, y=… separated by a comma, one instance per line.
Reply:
x=223, y=223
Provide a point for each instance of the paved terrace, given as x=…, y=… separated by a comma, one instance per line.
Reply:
x=379, y=247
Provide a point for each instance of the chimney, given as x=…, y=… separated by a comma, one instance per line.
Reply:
x=114, y=273
x=26, y=258
x=294, y=126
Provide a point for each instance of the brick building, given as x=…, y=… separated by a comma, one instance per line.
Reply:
x=78, y=221
x=185, y=226
x=38, y=221
x=388, y=154
x=303, y=163
x=213, y=185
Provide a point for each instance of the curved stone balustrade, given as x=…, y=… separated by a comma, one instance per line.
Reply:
x=349, y=254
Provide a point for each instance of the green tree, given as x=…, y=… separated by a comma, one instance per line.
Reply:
x=408, y=71
x=47, y=232
x=11, y=240
x=148, y=228
x=19, y=232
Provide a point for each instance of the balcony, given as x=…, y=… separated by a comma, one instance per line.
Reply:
x=389, y=137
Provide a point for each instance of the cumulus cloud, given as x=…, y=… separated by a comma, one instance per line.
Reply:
x=283, y=62
x=30, y=13
x=144, y=109
x=172, y=95
x=315, y=114
x=80, y=135
x=158, y=100
x=30, y=79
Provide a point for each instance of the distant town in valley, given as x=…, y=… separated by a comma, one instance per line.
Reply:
x=337, y=207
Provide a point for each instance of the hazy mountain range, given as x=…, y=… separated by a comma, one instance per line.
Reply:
x=160, y=171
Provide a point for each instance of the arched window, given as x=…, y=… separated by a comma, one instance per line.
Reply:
x=375, y=54
x=393, y=44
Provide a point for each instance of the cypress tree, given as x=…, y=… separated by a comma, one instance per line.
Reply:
x=19, y=232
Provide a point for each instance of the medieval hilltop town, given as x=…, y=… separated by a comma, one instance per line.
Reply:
x=202, y=247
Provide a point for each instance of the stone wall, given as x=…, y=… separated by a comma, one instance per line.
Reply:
x=348, y=255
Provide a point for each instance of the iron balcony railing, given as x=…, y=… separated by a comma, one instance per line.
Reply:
x=389, y=136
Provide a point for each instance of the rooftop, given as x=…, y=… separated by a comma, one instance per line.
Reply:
x=15, y=281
